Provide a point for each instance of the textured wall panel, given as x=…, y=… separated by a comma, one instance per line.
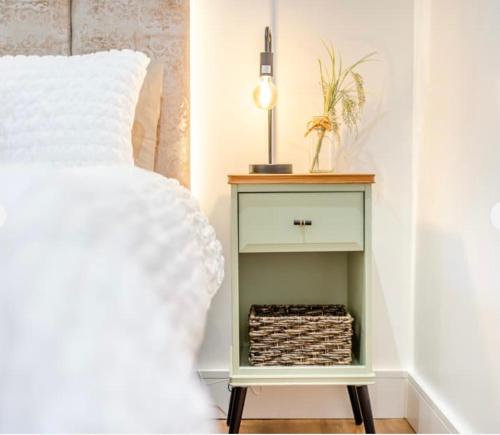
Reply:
x=34, y=27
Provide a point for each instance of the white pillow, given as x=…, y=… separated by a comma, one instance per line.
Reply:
x=75, y=110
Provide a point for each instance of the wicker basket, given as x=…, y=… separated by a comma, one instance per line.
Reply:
x=300, y=335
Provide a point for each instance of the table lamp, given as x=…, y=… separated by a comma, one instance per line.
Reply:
x=265, y=96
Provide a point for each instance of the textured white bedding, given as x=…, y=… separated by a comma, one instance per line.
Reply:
x=106, y=277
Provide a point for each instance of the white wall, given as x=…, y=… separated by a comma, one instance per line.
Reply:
x=229, y=132
x=384, y=143
x=457, y=287
x=226, y=127
x=452, y=275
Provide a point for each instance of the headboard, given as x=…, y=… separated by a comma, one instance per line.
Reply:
x=159, y=28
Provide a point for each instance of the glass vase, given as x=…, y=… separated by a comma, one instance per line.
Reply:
x=321, y=150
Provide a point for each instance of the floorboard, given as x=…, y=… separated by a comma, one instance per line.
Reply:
x=389, y=426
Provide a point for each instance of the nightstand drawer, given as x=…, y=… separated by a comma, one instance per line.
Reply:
x=298, y=222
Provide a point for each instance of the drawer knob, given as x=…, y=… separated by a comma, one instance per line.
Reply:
x=302, y=222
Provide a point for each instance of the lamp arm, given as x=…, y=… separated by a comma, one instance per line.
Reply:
x=267, y=40
x=265, y=98
x=270, y=136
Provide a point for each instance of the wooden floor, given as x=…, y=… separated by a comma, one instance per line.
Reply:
x=316, y=426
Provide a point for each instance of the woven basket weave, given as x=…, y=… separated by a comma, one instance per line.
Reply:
x=293, y=335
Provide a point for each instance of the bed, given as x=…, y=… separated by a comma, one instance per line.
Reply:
x=107, y=265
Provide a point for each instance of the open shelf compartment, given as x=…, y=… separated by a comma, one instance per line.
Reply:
x=303, y=278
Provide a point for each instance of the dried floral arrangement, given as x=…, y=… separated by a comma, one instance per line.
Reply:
x=343, y=99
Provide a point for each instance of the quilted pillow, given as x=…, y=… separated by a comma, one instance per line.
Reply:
x=75, y=110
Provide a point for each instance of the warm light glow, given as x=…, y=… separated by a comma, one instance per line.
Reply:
x=495, y=216
x=265, y=94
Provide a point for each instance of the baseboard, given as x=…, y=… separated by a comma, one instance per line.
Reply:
x=422, y=412
x=395, y=394
x=388, y=396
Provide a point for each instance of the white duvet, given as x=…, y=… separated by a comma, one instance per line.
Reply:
x=106, y=277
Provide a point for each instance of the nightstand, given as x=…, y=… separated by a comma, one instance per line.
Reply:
x=301, y=239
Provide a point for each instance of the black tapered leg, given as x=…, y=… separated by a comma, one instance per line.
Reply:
x=356, y=410
x=366, y=409
x=237, y=412
x=231, y=406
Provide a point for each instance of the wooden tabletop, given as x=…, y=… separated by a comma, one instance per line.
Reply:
x=301, y=179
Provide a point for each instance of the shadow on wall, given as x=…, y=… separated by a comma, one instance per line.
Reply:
x=354, y=151
x=450, y=335
x=382, y=325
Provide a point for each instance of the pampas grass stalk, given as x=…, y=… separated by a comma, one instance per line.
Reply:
x=343, y=93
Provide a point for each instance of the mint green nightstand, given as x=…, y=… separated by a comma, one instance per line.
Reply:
x=301, y=239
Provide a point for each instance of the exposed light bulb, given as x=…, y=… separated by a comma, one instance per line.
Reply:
x=265, y=94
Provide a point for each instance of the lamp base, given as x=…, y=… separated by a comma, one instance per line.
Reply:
x=271, y=168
